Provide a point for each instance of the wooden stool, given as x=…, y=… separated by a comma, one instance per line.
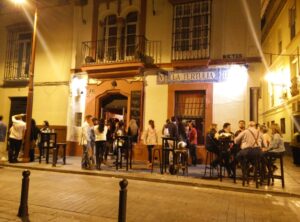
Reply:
x=208, y=160
x=270, y=157
x=55, y=153
x=257, y=169
x=156, y=151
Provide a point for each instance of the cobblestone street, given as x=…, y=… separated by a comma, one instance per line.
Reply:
x=69, y=197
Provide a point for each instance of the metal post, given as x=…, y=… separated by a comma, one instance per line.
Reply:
x=122, y=200
x=23, y=209
x=30, y=91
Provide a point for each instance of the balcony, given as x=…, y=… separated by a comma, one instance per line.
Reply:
x=114, y=55
x=16, y=73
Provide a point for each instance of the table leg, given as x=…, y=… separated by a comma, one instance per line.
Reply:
x=54, y=157
x=131, y=158
x=127, y=156
x=40, y=159
x=64, y=153
x=47, y=155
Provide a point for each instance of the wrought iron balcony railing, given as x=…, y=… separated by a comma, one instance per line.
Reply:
x=121, y=50
x=16, y=70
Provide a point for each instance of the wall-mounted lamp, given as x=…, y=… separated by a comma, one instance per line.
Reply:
x=114, y=84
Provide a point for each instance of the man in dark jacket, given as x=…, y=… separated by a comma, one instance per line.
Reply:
x=173, y=128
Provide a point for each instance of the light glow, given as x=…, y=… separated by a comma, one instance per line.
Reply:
x=19, y=2
x=234, y=87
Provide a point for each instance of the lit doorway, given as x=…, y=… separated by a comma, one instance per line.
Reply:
x=113, y=105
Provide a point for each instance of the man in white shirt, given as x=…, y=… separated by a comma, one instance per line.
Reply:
x=16, y=136
x=251, y=142
x=3, y=129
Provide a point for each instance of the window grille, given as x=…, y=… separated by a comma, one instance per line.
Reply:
x=190, y=106
x=18, y=54
x=191, y=30
x=120, y=38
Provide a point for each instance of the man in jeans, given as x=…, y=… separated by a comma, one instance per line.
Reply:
x=251, y=141
x=3, y=129
x=16, y=136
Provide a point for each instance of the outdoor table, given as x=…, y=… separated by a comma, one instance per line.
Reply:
x=166, y=150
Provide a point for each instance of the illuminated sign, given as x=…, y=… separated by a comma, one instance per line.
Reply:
x=200, y=75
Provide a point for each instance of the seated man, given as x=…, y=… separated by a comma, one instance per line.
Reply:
x=251, y=142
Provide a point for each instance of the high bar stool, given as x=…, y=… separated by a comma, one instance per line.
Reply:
x=270, y=157
x=257, y=170
x=208, y=160
x=156, y=151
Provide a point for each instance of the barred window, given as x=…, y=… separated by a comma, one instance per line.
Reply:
x=191, y=30
x=190, y=106
x=18, y=53
x=131, y=31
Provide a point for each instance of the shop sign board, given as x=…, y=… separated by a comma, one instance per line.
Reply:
x=210, y=75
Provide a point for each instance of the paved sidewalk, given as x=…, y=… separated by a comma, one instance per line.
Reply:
x=72, y=197
x=140, y=172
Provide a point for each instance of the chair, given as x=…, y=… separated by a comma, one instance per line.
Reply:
x=271, y=157
x=156, y=151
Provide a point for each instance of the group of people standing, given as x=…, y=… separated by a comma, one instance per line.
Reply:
x=16, y=138
x=98, y=137
x=173, y=128
x=245, y=143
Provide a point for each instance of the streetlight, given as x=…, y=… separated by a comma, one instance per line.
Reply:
x=30, y=85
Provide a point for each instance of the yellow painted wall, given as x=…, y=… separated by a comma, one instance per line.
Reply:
x=52, y=66
x=277, y=65
x=159, y=26
x=156, y=105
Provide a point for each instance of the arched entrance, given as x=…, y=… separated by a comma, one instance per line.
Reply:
x=113, y=105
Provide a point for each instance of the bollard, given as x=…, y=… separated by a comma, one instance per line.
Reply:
x=122, y=200
x=23, y=209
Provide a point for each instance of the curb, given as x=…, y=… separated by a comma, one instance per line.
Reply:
x=165, y=181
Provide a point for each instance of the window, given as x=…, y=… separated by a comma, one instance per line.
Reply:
x=18, y=53
x=119, y=39
x=191, y=30
x=282, y=125
x=110, y=37
x=292, y=21
x=190, y=105
x=131, y=30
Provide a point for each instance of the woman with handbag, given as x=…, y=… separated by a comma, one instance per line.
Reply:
x=151, y=140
